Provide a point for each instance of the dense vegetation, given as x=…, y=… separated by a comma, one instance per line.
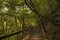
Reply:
x=17, y=16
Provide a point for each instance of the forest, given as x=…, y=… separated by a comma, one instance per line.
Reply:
x=29, y=19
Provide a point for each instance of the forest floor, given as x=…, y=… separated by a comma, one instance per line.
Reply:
x=34, y=35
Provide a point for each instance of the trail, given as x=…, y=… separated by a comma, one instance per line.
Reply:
x=35, y=34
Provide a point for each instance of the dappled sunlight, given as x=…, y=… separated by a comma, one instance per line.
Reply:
x=4, y=10
x=29, y=20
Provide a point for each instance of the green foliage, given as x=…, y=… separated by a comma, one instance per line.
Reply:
x=16, y=16
x=12, y=15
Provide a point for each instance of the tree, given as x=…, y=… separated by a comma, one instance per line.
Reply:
x=44, y=8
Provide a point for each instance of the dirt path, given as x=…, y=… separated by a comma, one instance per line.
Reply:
x=34, y=35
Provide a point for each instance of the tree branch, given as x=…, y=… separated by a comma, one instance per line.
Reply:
x=55, y=22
